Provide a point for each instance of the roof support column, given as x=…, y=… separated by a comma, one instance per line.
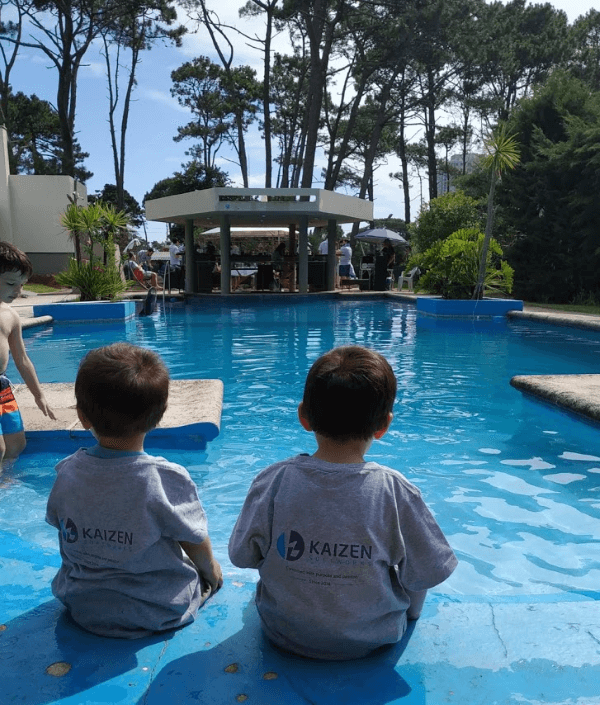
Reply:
x=331, y=258
x=190, y=261
x=225, y=252
x=303, y=255
x=292, y=248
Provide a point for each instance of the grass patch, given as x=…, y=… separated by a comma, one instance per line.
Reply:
x=40, y=288
x=590, y=309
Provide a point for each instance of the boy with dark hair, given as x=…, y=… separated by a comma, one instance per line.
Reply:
x=345, y=549
x=15, y=270
x=136, y=556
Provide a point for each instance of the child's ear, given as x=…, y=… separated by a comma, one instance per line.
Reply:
x=85, y=422
x=304, y=422
x=382, y=431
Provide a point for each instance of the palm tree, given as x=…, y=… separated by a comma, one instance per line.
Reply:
x=502, y=153
x=113, y=223
x=71, y=222
x=95, y=224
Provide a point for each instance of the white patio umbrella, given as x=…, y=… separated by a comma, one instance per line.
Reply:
x=376, y=236
x=132, y=243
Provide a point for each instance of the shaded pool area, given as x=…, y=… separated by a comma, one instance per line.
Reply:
x=514, y=485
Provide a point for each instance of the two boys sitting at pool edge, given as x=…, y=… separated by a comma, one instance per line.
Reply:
x=346, y=549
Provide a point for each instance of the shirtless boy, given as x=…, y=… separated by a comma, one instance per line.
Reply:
x=15, y=270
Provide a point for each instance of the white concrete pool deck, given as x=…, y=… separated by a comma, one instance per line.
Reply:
x=468, y=650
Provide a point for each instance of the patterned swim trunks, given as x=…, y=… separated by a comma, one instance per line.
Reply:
x=10, y=416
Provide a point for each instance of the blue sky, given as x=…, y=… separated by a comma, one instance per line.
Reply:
x=151, y=152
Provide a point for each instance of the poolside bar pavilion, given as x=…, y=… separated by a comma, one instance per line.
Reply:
x=296, y=209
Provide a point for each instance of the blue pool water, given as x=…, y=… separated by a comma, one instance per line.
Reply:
x=514, y=484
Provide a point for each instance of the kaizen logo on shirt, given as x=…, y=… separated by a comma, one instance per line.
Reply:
x=68, y=529
x=293, y=549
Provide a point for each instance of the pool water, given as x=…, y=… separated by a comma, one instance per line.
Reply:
x=514, y=484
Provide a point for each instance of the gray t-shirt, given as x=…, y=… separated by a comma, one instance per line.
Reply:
x=336, y=547
x=120, y=521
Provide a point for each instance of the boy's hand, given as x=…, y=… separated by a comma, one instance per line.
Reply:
x=213, y=576
x=44, y=408
x=207, y=566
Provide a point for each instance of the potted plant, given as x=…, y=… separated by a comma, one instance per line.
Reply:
x=462, y=267
x=451, y=271
x=98, y=278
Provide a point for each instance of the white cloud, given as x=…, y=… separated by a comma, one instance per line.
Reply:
x=93, y=69
x=162, y=97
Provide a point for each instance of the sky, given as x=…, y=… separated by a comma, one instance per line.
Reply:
x=151, y=153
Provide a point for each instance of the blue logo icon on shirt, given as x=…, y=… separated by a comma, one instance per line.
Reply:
x=294, y=549
x=69, y=531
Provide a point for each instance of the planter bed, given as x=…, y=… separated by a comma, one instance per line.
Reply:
x=92, y=311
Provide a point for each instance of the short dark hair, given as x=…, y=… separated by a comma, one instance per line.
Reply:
x=122, y=389
x=349, y=393
x=12, y=259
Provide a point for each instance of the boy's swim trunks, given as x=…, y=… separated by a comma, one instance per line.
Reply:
x=10, y=416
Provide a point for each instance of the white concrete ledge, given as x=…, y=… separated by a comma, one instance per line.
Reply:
x=38, y=321
x=556, y=318
x=579, y=394
x=194, y=409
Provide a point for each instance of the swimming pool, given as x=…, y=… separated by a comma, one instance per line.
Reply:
x=513, y=483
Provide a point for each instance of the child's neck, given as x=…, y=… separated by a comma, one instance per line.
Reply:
x=131, y=443
x=347, y=452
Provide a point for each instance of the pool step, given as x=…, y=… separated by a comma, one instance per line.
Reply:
x=579, y=394
x=194, y=409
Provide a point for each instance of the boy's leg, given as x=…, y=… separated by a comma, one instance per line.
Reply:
x=12, y=433
x=13, y=445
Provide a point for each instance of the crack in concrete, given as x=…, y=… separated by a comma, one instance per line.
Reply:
x=153, y=672
x=500, y=639
x=593, y=636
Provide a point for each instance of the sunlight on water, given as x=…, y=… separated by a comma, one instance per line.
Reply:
x=515, y=485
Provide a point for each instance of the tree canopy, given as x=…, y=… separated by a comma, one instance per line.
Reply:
x=194, y=176
x=356, y=83
x=552, y=196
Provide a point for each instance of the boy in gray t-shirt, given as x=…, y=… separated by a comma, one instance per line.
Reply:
x=136, y=556
x=345, y=549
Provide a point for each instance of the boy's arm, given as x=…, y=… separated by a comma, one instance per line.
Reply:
x=26, y=368
x=251, y=536
x=202, y=557
x=416, y=603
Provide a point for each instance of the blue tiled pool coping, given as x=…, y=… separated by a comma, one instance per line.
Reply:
x=89, y=311
x=467, y=307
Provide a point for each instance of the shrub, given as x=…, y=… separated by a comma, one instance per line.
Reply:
x=94, y=280
x=99, y=277
x=442, y=217
x=451, y=266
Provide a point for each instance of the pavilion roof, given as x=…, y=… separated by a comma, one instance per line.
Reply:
x=265, y=207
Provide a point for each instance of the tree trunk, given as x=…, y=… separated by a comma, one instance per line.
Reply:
x=479, y=288
x=321, y=33
x=267, y=103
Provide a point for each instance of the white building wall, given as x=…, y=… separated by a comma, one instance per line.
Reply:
x=5, y=216
x=37, y=204
x=30, y=211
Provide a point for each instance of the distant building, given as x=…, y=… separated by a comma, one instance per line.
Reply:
x=30, y=210
x=444, y=181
